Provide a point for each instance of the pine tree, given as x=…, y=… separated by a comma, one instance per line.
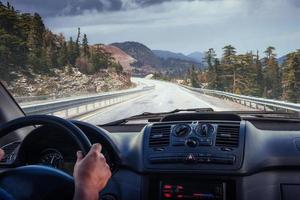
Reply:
x=259, y=76
x=218, y=75
x=194, y=77
x=228, y=54
x=72, y=55
x=272, y=74
x=62, y=51
x=291, y=77
x=35, y=44
x=241, y=73
x=50, y=50
x=211, y=74
x=229, y=68
x=85, y=47
x=77, y=45
x=35, y=51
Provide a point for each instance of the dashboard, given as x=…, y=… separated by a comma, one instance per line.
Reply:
x=218, y=156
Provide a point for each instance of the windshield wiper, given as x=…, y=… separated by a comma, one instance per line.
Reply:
x=176, y=111
x=160, y=114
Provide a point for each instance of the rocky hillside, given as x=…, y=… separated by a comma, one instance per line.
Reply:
x=67, y=82
x=120, y=56
x=35, y=61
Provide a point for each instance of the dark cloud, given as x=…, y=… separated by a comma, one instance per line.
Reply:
x=49, y=8
x=295, y=3
x=150, y=2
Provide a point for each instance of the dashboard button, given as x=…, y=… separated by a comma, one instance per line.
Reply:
x=191, y=158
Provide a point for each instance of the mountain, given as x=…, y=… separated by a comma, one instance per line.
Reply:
x=168, y=54
x=143, y=55
x=196, y=56
x=178, y=67
x=151, y=61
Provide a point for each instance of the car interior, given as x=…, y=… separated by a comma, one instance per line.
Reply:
x=186, y=155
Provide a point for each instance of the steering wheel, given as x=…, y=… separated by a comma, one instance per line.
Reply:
x=36, y=182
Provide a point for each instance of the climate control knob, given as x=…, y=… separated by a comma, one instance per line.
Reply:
x=205, y=130
x=191, y=142
x=182, y=130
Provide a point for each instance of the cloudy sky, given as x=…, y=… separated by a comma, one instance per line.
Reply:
x=177, y=25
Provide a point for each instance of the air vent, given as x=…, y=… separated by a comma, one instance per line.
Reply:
x=228, y=135
x=159, y=136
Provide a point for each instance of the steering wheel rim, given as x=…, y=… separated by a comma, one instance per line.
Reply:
x=32, y=179
x=69, y=128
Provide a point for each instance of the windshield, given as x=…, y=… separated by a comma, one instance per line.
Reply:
x=101, y=61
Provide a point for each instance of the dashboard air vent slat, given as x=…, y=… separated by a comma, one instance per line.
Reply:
x=228, y=135
x=160, y=136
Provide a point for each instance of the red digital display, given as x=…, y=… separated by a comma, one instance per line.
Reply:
x=171, y=190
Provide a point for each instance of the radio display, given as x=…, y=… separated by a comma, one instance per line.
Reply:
x=170, y=190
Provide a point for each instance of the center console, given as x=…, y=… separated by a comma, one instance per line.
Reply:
x=186, y=152
x=194, y=146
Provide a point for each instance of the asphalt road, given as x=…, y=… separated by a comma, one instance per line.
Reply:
x=165, y=97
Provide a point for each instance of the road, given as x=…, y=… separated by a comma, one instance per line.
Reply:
x=165, y=97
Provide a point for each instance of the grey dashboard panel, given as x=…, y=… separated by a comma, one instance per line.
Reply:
x=269, y=185
x=269, y=168
x=270, y=149
x=263, y=150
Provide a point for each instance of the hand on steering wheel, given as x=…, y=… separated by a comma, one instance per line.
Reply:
x=91, y=174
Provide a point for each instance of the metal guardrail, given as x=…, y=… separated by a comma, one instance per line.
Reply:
x=35, y=98
x=95, y=101
x=253, y=102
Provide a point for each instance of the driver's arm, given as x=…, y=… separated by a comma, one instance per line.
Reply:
x=91, y=174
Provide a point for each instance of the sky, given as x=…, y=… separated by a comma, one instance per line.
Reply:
x=176, y=25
